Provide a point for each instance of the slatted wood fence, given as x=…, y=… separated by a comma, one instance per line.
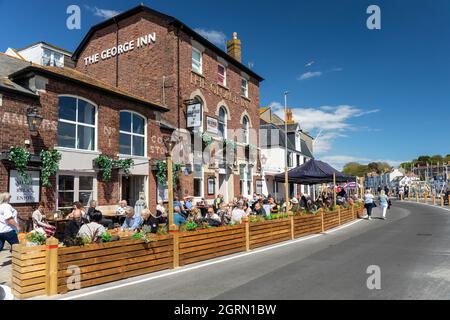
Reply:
x=49, y=269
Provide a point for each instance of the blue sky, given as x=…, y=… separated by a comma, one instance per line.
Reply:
x=371, y=94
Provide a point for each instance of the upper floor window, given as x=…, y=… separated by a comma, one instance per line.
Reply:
x=244, y=87
x=197, y=60
x=132, y=134
x=221, y=75
x=76, y=123
x=223, y=118
x=245, y=129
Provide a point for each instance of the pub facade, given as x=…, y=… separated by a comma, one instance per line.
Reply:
x=136, y=79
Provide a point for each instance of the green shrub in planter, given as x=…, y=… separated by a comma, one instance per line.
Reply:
x=36, y=238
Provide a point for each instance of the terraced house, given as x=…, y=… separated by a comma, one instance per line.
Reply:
x=133, y=80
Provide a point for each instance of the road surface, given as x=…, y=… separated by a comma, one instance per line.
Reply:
x=411, y=248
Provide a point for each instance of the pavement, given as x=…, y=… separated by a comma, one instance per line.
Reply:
x=5, y=266
x=411, y=249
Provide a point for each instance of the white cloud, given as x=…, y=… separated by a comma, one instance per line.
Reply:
x=103, y=13
x=339, y=161
x=328, y=122
x=309, y=75
x=216, y=37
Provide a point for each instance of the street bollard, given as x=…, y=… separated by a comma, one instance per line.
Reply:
x=442, y=201
x=401, y=196
x=434, y=200
x=417, y=197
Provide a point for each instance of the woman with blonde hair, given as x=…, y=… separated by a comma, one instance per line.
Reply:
x=384, y=203
x=369, y=204
x=9, y=226
x=149, y=219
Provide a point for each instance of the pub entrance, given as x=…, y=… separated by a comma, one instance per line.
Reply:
x=132, y=187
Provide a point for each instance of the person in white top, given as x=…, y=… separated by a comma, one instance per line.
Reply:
x=40, y=222
x=9, y=226
x=369, y=204
x=122, y=207
x=92, y=230
x=238, y=213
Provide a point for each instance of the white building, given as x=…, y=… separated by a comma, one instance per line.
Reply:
x=272, y=144
x=44, y=54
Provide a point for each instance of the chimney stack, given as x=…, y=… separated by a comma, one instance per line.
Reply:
x=234, y=48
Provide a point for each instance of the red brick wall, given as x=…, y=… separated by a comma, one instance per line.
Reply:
x=141, y=72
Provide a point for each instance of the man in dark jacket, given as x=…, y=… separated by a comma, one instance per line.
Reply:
x=73, y=226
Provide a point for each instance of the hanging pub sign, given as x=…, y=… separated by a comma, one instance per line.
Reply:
x=22, y=192
x=212, y=125
x=194, y=115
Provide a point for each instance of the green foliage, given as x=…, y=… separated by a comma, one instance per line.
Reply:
x=230, y=143
x=360, y=170
x=191, y=226
x=20, y=157
x=50, y=165
x=86, y=240
x=277, y=216
x=145, y=235
x=107, y=164
x=161, y=174
x=106, y=237
x=162, y=231
x=36, y=237
x=254, y=219
x=207, y=139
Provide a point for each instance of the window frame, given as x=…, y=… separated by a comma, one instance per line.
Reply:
x=76, y=187
x=244, y=93
x=76, y=123
x=224, y=84
x=199, y=62
x=224, y=122
x=132, y=134
x=246, y=130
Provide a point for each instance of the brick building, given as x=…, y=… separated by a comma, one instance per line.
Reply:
x=156, y=56
x=138, y=77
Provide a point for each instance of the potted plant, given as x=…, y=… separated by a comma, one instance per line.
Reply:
x=35, y=238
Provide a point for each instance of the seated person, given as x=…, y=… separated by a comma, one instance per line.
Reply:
x=40, y=222
x=73, y=226
x=148, y=219
x=224, y=213
x=273, y=206
x=188, y=203
x=122, y=207
x=178, y=219
x=295, y=205
x=238, y=213
x=259, y=211
x=212, y=217
x=132, y=221
x=77, y=205
x=92, y=230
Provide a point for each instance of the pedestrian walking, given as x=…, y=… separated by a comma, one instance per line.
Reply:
x=369, y=204
x=384, y=203
x=9, y=226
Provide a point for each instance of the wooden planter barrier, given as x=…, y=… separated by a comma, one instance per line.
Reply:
x=307, y=224
x=210, y=243
x=331, y=219
x=29, y=269
x=49, y=269
x=269, y=232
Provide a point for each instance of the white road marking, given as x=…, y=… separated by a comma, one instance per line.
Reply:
x=185, y=269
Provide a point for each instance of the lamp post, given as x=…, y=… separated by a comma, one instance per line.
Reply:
x=170, y=144
x=286, y=183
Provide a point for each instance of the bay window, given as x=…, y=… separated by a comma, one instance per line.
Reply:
x=76, y=123
x=132, y=134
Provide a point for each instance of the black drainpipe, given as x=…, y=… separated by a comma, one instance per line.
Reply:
x=178, y=76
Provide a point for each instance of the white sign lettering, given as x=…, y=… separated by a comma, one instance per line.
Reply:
x=194, y=115
x=212, y=125
x=22, y=192
x=121, y=49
